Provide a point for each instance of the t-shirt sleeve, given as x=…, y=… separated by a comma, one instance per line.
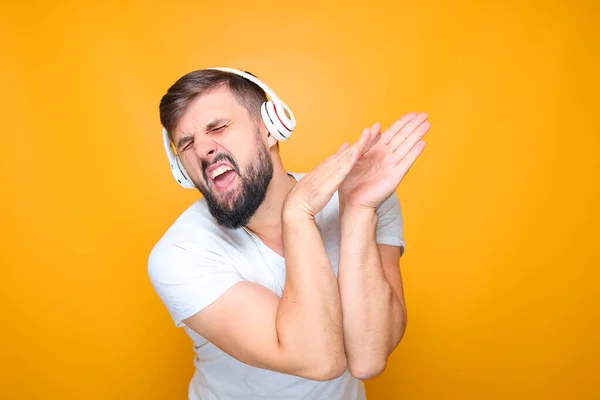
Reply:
x=390, y=225
x=187, y=279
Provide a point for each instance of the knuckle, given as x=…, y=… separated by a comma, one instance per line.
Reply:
x=313, y=192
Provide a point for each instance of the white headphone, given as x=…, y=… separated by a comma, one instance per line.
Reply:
x=277, y=116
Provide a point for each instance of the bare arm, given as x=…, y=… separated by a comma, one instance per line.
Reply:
x=369, y=275
x=372, y=295
x=301, y=332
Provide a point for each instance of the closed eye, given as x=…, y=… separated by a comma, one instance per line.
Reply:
x=188, y=145
x=219, y=129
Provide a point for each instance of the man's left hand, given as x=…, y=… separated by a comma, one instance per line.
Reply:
x=380, y=169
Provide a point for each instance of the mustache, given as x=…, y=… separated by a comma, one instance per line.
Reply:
x=218, y=158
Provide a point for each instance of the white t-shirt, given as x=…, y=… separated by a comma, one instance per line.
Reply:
x=197, y=260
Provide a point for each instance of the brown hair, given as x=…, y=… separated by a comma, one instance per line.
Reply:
x=179, y=96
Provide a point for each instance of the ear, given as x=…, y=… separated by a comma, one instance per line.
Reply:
x=271, y=141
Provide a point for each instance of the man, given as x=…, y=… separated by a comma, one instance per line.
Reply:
x=288, y=284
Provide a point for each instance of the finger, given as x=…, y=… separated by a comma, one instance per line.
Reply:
x=396, y=126
x=344, y=147
x=367, y=139
x=375, y=132
x=334, y=157
x=343, y=168
x=359, y=144
x=407, y=130
x=365, y=135
x=405, y=163
x=343, y=162
x=324, y=169
x=329, y=176
x=404, y=147
x=364, y=139
x=345, y=152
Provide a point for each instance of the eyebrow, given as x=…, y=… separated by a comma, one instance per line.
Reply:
x=187, y=137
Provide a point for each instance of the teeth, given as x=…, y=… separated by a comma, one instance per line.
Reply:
x=220, y=170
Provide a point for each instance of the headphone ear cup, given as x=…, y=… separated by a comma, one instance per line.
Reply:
x=181, y=174
x=279, y=124
x=270, y=123
x=177, y=169
x=286, y=117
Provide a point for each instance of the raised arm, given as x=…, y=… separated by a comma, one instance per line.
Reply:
x=369, y=277
x=301, y=332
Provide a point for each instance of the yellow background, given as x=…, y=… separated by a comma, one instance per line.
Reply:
x=501, y=210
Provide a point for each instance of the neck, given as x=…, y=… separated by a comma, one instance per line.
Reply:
x=266, y=222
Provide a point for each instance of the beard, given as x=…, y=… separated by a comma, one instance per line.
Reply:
x=235, y=209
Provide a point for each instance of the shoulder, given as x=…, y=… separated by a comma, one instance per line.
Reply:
x=193, y=236
x=188, y=266
x=185, y=230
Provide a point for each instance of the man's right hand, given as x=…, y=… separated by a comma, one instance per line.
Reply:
x=312, y=193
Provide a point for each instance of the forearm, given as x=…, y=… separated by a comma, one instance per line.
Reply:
x=309, y=317
x=374, y=317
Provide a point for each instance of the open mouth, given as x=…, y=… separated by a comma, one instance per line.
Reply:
x=222, y=177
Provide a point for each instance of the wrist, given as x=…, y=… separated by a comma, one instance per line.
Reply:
x=358, y=217
x=356, y=211
x=294, y=215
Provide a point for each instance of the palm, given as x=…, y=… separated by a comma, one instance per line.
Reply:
x=379, y=171
x=373, y=176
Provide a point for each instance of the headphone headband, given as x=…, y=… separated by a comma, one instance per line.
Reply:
x=276, y=115
x=251, y=78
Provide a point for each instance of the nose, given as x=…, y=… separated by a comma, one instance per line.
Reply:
x=205, y=147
